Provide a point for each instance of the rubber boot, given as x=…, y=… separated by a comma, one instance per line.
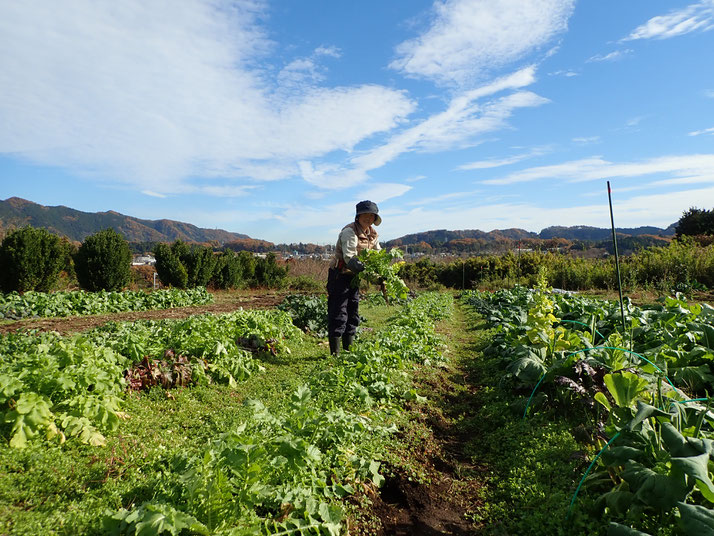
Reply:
x=347, y=342
x=335, y=345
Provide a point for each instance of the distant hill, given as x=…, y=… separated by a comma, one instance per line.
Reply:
x=442, y=236
x=77, y=225
x=583, y=233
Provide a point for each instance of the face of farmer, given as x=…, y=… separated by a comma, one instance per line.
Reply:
x=365, y=220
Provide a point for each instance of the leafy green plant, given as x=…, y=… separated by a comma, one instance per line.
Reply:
x=656, y=444
x=378, y=269
x=309, y=313
x=68, y=303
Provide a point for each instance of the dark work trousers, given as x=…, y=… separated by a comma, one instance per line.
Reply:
x=342, y=304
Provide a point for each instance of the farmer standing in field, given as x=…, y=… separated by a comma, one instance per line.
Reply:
x=342, y=294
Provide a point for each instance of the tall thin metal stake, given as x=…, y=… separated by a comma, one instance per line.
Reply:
x=617, y=258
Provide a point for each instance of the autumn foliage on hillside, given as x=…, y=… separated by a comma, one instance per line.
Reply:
x=250, y=244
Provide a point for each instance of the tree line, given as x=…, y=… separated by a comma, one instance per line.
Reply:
x=34, y=259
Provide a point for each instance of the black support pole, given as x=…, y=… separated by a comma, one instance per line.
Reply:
x=617, y=258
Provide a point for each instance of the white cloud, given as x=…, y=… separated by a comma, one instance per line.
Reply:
x=493, y=163
x=700, y=132
x=302, y=74
x=597, y=168
x=635, y=121
x=469, y=38
x=586, y=140
x=332, y=52
x=147, y=94
x=455, y=196
x=221, y=191
x=464, y=119
x=153, y=194
x=699, y=179
x=298, y=72
x=612, y=56
x=699, y=16
x=380, y=192
x=709, y=93
x=567, y=73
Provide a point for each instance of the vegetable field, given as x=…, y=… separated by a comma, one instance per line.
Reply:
x=522, y=411
x=78, y=302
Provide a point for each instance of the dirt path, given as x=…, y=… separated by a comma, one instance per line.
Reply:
x=444, y=500
x=72, y=324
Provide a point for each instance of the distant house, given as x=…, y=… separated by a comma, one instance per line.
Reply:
x=142, y=260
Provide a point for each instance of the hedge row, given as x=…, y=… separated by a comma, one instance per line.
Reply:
x=681, y=266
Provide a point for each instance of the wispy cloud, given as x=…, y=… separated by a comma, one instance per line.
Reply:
x=469, y=38
x=380, y=192
x=635, y=121
x=455, y=196
x=612, y=56
x=695, y=17
x=151, y=95
x=709, y=93
x=499, y=162
x=700, y=132
x=302, y=74
x=586, y=140
x=653, y=209
x=680, y=181
x=567, y=73
x=153, y=194
x=332, y=52
x=597, y=168
x=465, y=118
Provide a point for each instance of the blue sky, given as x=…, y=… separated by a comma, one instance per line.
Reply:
x=274, y=118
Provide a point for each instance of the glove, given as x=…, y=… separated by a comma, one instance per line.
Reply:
x=355, y=265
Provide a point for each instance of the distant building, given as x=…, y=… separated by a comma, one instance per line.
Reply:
x=142, y=260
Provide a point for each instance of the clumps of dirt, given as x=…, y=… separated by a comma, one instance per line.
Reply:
x=74, y=324
x=409, y=508
x=432, y=487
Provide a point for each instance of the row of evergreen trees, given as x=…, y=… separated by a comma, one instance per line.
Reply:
x=184, y=266
x=33, y=259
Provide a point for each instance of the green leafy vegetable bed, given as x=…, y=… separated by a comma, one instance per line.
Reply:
x=294, y=452
x=639, y=398
x=78, y=302
x=52, y=387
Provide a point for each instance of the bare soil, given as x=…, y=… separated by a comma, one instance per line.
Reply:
x=225, y=303
x=443, y=499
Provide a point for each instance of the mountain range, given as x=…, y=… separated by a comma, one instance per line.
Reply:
x=77, y=225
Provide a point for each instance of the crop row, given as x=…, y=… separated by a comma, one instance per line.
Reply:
x=286, y=471
x=54, y=387
x=641, y=391
x=14, y=305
